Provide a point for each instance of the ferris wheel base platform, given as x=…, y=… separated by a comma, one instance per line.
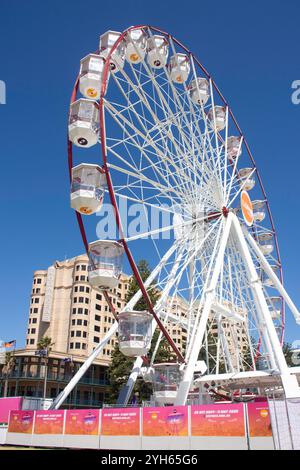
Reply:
x=261, y=379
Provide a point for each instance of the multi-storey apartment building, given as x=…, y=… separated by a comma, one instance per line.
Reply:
x=67, y=309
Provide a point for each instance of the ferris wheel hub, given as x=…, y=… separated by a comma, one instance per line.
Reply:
x=225, y=211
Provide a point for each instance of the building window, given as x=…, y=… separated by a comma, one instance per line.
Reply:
x=75, y=300
x=97, y=317
x=86, y=312
x=81, y=289
x=85, y=322
x=77, y=345
x=79, y=322
x=31, y=341
x=76, y=278
x=98, y=307
x=83, y=346
x=33, y=330
x=76, y=289
x=84, y=334
x=98, y=297
x=86, y=300
x=82, y=278
x=87, y=290
x=83, y=267
x=96, y=339
x=72, y=334
x=74, y=310
x=73, y=322
x=78, y=334
x=71, y=345
x=81, y=299
x=97, y=328
x=39, y=281
x=34, y=320
x=80, y=310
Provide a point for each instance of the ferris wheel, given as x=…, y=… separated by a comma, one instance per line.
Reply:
x=173, y=152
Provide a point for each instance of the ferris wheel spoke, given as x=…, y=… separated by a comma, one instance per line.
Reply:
x=181, y=109
x=144, y=99
x=178, y=172
x=165, y=105
x=146, y=129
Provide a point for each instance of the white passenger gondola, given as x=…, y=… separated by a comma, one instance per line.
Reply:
x=157, y=51
x=107, y=41
x=259, y=212
x=199, y=91
x=274, y=304
x=217, y=117
x=166, y=379
x=266, y=244
x=234, y=148
x=246, y=178
x=91, y=73
x=134, y=333
x=267, y=281
x=179, y=68
x=136, y=42
x=84, y=123
x=105, y=266
x=87, y=188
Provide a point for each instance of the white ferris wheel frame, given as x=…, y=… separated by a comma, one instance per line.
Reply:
x=229, y=224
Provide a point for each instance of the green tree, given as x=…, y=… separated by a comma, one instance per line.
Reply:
x=8, y=367
x=45, y=344
x=120, y=366
x=288, y=353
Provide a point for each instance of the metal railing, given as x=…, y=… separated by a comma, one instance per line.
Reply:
x=56, y=377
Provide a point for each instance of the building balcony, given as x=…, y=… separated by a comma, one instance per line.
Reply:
x=54, y=377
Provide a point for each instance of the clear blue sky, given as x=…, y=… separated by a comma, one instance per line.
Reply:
x=250, y=48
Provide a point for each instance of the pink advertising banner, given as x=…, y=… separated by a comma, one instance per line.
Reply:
x=259, y=420
x=49, y=422
x=165, y=421
x=218, y=420
x=8, y=404
x=84, y=422
x=21, y=421
x=120, y=422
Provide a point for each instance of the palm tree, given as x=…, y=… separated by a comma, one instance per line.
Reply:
x=10, y=361
x=45, y=344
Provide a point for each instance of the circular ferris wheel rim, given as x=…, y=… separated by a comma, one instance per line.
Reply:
x=105, y=160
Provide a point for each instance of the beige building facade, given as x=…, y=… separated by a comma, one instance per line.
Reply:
x=67, y=309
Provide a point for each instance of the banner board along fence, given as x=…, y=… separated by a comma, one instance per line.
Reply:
x=216, y=426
